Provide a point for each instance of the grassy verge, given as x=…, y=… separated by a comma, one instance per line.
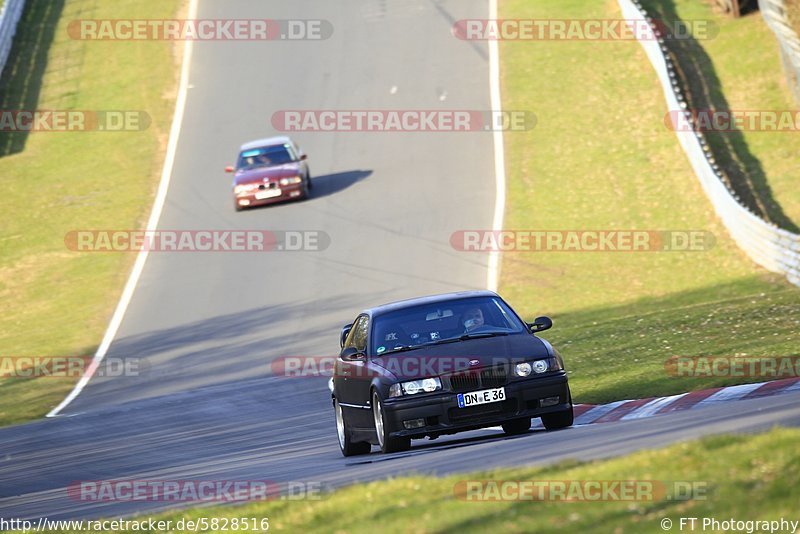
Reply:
x=600, y=158
x=54, y=302
x=620, y=352
x=732, y=475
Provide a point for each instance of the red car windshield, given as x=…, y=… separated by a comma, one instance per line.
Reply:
x=267, y=156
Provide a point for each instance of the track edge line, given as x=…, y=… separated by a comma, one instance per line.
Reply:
x=152, y=223
x=493, y=274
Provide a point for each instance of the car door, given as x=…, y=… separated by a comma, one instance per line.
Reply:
x=300, y=156
x=363, y=373
x=354, y=375
x=350, y=375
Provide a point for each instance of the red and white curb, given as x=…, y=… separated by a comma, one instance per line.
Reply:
x=588, y=414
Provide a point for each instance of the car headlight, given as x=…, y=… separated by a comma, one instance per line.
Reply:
x=426, y=385
x=239, y=189
x=523, y=369
x=292, y=180
x=540, y=366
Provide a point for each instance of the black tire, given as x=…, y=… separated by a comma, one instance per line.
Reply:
x=348, y=447
x=386, y=443
x=517, y=426
x=558, y=420
x=308, y=179
x=306, y=189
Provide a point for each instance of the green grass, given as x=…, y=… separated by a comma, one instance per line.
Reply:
x=600, y=157
x=619, y=353
x=739, y=479
x=54, y=302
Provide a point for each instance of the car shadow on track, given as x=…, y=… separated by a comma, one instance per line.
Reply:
x=219, y=349
x=469, y=438
x=330, y=184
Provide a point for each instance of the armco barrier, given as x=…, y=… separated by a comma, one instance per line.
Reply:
x=774, y=13
x=769, y=246
x=9, y=17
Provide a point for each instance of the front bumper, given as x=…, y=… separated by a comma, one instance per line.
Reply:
x=288, y=192
x=442, y=415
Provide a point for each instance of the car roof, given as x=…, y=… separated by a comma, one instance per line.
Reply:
x=267, y=141
x=432, y=299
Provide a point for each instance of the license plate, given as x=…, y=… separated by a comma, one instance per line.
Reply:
x=481, y=397
x=269, y=193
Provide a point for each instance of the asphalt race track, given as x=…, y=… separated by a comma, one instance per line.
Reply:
x=206, y=325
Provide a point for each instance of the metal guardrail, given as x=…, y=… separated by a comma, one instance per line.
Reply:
x=9, y=17
x=771, y=247
x=774, y=13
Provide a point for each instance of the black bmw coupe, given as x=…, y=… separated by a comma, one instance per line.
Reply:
x=444, y=364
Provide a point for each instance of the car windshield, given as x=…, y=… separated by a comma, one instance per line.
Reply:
x=267, y=156
x=443, y=322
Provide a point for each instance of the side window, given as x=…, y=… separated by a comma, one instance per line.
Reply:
x=358, y=334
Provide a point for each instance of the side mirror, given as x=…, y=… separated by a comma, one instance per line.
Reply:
x=343, y=335
x=353, y=354
x=303, y=156
x=229, y=168
x=540, y=323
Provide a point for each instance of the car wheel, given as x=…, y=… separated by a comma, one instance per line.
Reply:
x=308, y=179
x=349, y=448
x=306, y=189
x=517, y=426
x=386, y=443
x=558, y=420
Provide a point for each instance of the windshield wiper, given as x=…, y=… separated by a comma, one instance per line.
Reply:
x=462, y=337
x=478, y=335
x=465, y=337
x=401, y=348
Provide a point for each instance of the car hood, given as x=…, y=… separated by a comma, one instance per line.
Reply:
x=436, y=360
x=263, y=174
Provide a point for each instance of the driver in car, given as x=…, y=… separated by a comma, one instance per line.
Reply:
x=472, y=318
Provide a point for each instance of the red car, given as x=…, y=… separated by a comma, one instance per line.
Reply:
x=269, y=170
